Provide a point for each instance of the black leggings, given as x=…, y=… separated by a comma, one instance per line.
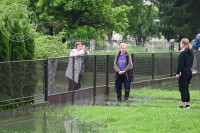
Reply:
x=77, y=86
x=184, y=82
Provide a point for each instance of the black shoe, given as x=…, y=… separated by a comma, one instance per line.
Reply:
x=118, y=100
x=188, y=106
x=182, y=106
x=126, y=100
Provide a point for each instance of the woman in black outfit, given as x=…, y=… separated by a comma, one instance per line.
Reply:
x=184, y=72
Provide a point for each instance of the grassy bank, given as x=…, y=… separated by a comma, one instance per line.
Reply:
x=147, y=111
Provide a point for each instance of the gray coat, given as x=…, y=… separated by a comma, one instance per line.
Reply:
x=78, y=61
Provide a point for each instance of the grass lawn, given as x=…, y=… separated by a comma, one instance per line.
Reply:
x=148, y=110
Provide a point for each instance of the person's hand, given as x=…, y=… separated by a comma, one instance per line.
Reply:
x=177, y=76
x=86, y=49
x=83, y=47
x=121, y=72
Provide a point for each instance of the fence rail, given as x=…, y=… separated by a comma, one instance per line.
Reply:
x=45, y=78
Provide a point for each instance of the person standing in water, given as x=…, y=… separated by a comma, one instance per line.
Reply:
x=123, y=72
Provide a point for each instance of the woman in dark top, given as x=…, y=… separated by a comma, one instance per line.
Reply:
x=184, y=72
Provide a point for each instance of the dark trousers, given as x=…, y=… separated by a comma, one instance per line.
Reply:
x=184, y=82
x=77, y=86
x=122, y=79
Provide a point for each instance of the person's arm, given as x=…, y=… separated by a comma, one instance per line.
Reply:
x=196, y=43
x=180, y=65
x=130, y=64
x=116, y=65
x=74, y=52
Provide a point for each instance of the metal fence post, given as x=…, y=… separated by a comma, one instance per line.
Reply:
x=107, y=74
x=73, y=62
x=152, y=66
x=45, y=69
x=197, y=61
x=171, y=64
x=133, y=66
x=95, y=76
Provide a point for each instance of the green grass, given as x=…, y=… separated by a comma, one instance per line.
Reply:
x=148, y=110
x=140, y=114
x=160, y=93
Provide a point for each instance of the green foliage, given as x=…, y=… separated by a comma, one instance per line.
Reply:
x=141, y=20
x=84, y=32
x=4, y=48
x=20, y=81
x=6, y=87
x=179, y=18
x=80, y=17
x=50, y=46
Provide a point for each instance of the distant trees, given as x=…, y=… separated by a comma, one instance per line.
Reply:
x=80, y=16
x=142, y=26
x=179, y=18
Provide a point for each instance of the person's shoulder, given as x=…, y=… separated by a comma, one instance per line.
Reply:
x=182, y=52
x=128, y=54
x=196, y=40
x=74, y=50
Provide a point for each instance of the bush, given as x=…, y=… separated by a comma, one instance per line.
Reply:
x=50, y=46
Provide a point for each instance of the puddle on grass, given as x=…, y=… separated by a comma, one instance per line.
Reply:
x=44, y=123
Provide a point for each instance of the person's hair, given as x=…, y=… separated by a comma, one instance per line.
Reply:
x=123, y=44
x=186, y=43
x=198, y=35
x=78, y=43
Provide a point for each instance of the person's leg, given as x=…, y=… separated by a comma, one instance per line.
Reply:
x=188, y=97
x=127, y=86
x=182, y=89
x=188, y=93
x=77, y=86
x=70, y=84
x=118, y=87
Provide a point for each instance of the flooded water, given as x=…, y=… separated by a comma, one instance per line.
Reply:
x=42, y=122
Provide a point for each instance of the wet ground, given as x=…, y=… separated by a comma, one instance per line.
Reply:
x=42, y=122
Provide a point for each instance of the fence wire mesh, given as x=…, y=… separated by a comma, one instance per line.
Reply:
x=111, y=69
x=26, y=79
x=57, y=82
x=101, y=70
x=142, y=66
x=162, y=64
x=21, y=82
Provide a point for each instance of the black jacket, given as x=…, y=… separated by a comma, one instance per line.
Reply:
x=185, y=61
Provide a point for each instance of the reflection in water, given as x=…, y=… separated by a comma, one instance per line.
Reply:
x=43, y=123
x=71, y=126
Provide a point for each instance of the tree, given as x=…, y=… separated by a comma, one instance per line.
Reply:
x=4, y=48
x=179, y=18
x=141, y=20
x=96, y=16
x=20, y=81
x=5, y=69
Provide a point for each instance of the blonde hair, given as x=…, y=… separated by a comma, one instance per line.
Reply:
x=123, y=44
x=78, y=43
x=186, y=43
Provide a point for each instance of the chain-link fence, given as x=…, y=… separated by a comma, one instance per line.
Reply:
x=113, y=45
x=70, y=78
x=21, y=83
